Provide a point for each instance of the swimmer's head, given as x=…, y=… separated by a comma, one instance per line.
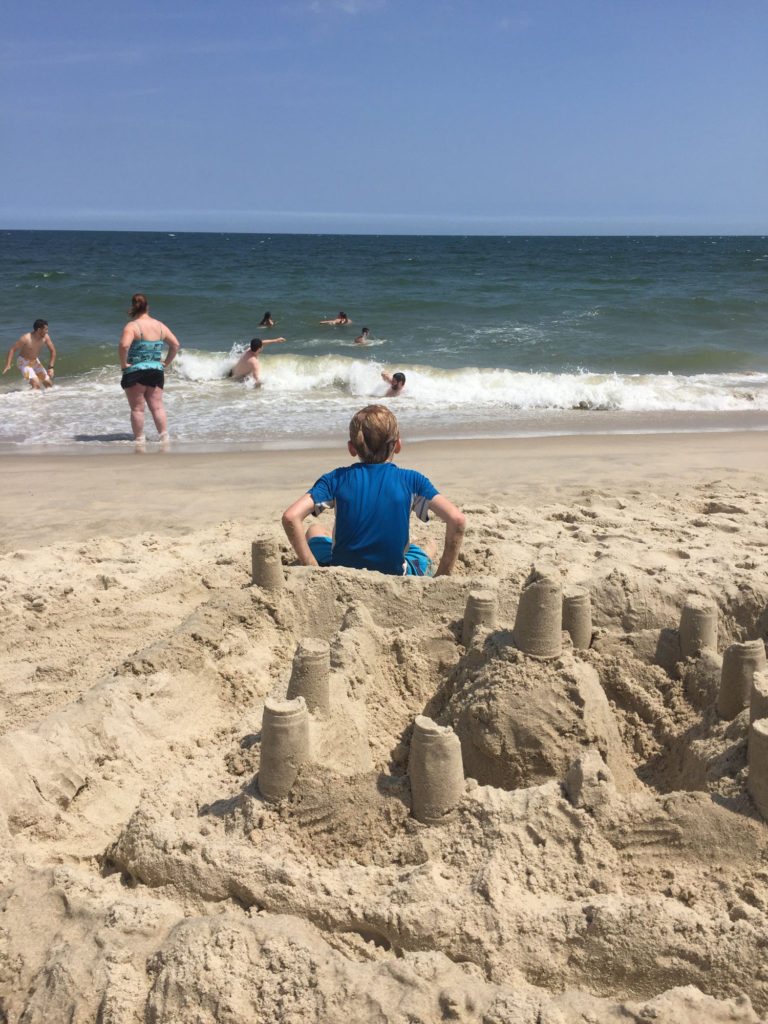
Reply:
x=365, y=331
x=139, y=305
x=400, y=378
x=256, y=344
x=39, y=325
x=374, y=434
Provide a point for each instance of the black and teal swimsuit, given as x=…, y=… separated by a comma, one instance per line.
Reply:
x=146, y=364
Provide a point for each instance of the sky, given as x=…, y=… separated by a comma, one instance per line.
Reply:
x=386, y=116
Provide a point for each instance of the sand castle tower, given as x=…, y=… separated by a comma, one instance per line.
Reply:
x=577, y=617
x=284, y=746
x=758, y=696
x=310, y=676
x=266, y=564
x=698, y=626
x=740, y=663
x=436, y=771
x=757, y=758
x=481, y=609
x=539, y=620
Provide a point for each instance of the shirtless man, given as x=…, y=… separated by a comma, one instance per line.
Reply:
x=362, y=338
x=248, y=363
x=396, y=383
x=29, y=347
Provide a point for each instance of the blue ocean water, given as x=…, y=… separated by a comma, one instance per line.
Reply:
x=497, y=336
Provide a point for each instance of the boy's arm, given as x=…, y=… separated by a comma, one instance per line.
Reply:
x=293, y=524
x=271, y=341
x=455, y=524
x=386, y=377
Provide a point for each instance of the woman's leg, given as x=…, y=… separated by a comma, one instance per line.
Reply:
x=155, y=403
x=136, y=395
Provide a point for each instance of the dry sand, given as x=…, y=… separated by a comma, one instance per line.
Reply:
x=605, y=862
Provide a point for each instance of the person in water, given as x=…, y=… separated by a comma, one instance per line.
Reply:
x=29, y=346
x=362, y=338
x=266, y=320
x=373, y=500
x=396, y=383
x=342, y=319
x=248, y=363
x=143, y=366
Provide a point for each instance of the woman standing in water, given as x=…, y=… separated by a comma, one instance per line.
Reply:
x=141, y=350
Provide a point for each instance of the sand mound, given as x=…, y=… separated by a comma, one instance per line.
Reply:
x=604, y=863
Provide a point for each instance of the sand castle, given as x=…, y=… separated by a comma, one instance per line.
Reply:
x=511, y=797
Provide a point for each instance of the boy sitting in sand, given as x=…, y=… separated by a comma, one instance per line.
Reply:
x=373, y=499
x=248, y=363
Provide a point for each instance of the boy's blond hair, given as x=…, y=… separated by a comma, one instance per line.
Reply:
x=373, y=432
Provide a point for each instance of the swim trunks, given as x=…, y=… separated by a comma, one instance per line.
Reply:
x=33, y=368
x=416, y=562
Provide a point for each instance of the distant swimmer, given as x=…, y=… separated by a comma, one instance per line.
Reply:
x=396, y=383
x=29, y=347
x=266, y=320
x=362, y=338
x=342, y=320
x=248, y=363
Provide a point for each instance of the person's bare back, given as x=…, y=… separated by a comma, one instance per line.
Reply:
x=248, y=363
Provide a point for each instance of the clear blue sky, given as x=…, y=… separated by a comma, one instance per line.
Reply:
x=412, y=116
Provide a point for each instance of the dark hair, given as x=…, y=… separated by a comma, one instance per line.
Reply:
x=265, y=319
x=374, y=433
x=139, y=305
x=256, y=344
x=399, y=377
x=365, y=331
x=343, y=315
x=38, y=324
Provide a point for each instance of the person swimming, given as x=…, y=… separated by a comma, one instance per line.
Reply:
x=342, y=320
x=266, y=320
x=248, y=363
x=396, y=383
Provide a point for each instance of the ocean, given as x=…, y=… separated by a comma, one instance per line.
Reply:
x=497, y=336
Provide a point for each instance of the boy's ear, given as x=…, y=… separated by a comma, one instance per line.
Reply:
x=351, y=449
x=398, y=447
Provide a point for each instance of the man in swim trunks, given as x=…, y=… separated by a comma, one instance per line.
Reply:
x=29, y=347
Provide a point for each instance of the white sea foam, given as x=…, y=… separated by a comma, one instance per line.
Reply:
x=307, y=400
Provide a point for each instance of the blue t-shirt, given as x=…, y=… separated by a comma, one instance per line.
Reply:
x=373, y=504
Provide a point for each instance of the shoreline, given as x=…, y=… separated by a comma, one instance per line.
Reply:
x=548, y=424
x=56, y=497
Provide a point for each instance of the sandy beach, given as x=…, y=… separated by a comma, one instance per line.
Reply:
x=604, y=860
